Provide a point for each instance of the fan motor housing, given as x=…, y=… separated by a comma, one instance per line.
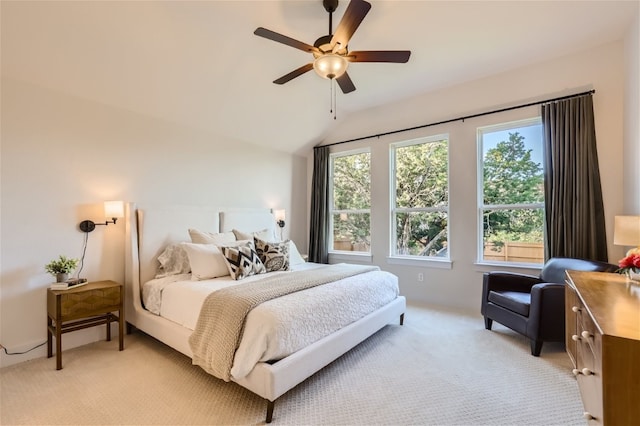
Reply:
x=330, y=5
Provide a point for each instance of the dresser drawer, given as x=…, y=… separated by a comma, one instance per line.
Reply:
x=589, y=381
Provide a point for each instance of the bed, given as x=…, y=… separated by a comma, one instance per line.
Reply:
x=150, y=230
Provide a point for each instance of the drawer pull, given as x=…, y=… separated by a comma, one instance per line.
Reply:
x=585, y=371
x=575, y=309
x=587, y=415
x=575, y=338
x=585, y=334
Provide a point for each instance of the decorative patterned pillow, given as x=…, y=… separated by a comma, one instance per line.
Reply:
x=173, y=261
x=274, y=256
x=242, y=261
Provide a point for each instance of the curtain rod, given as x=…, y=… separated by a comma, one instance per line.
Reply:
x=466, y=117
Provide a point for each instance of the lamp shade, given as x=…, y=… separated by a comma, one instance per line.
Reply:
x=114, y=209
x=626, y=231
x=279, y=215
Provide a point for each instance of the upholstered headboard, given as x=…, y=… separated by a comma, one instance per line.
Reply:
x=158, y=226
x=248, y=220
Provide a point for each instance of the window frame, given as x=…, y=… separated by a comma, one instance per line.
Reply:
x=481, y=207
x=404, y=259
x=332, y=211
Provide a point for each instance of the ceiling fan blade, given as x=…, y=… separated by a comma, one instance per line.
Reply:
x=398, y=56
x=345, y=83
x=272, y=35
x=353, y=16
x=295, y=73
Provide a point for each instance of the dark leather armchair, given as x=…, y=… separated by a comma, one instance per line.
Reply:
x=533, y=306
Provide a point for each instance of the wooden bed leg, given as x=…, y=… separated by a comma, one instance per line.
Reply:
x=270, y=405
x=402, y=318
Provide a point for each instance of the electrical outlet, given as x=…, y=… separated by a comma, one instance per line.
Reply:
x=420, y=276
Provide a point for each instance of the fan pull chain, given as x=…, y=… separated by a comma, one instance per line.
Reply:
x=334, y=106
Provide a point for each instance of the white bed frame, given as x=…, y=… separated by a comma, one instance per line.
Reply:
x=150, y=229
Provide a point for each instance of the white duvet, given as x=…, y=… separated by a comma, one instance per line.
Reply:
x=281, y=326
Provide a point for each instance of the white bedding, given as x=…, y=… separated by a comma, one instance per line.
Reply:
x=279, y=327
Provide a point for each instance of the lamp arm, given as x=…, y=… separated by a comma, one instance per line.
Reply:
x=89, y=225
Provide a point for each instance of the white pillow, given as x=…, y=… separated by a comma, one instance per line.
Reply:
x=263, y=234
x=206, y=261
x=294, y=255
x=200, y=237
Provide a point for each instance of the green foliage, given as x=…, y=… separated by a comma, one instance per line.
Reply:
x=62, y=265
x=421, y=181
x=352, y=191
x=512, y=177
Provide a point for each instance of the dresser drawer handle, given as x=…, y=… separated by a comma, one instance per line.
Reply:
x=575, y=338
x=575, y=309
x=587, y=415
x=585, y=334
x=586, y=372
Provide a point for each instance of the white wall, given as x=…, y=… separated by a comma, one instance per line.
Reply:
x=631, y=183
x=460, y=286
x=63, y=156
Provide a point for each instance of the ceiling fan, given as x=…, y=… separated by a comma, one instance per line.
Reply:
x=330, y=52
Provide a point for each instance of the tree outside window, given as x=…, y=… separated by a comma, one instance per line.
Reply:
x=512, y=199
x=420, y=194
x=351, y=202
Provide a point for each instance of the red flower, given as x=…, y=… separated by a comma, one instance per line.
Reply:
x=631, y=261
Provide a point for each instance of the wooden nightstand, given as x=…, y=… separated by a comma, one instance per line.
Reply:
x=83, y=307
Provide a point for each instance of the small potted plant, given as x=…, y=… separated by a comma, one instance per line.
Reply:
x=61, y=267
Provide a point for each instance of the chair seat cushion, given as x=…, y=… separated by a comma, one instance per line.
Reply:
x=515, y=301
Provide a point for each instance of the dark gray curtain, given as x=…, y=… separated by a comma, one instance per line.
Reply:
x=574, y=209
x=319, y=223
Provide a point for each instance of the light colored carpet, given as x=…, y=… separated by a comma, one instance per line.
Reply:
x=441, y=368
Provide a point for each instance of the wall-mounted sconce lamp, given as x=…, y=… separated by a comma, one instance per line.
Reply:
x=280, y=217
x=112, y=209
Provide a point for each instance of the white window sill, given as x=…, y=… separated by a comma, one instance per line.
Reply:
x=429, y=262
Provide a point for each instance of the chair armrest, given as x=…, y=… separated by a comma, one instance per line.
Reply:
x=546, y=313
x=507, y=281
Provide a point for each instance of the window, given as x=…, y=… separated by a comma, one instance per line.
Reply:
x=511, y=195
x=420, y=197
x=351, y=202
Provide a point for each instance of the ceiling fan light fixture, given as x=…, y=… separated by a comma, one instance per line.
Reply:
x=330, y=65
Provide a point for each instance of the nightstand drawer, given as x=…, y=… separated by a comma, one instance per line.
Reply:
x=98, y=301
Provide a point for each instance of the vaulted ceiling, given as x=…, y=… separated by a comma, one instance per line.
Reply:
x=199, y=64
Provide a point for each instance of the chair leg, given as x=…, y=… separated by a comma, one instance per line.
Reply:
x=488, y=322
x=536, y=347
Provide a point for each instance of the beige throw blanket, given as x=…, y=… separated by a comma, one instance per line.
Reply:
x=222, y=317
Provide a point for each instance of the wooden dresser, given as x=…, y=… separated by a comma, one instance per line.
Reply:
x=603, y=342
